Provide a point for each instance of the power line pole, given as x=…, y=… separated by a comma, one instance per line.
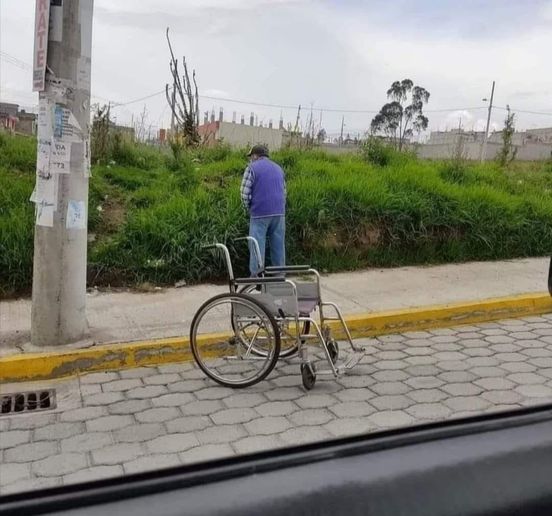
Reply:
x=342, y=126
x=63, y=169
x=486, y=137
x=296, y=128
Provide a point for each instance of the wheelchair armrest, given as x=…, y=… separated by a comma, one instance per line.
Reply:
x=259, y=281
x=287, y=268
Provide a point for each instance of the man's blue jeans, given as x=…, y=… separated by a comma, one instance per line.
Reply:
x=275, y=229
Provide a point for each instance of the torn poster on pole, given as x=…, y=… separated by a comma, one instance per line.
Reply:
x=43, y=158
x=42, y=17
x=76, y=215
x=45, y=215
x=45, y=122
x=87, y=158
x=46, y=190
x=59, y=90
x=66, y=126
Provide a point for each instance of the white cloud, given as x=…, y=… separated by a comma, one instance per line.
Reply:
x=172, y=6
x=457, y=119
x=546, y=12
x=301, y=51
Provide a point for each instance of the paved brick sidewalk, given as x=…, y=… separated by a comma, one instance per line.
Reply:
x=110, y=424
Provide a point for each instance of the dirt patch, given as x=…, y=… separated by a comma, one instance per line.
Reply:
x=113, y=215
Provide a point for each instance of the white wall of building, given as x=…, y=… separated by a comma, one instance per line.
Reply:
x=471, y=151
x=238, y=135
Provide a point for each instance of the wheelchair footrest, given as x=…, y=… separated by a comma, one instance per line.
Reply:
x=352, y=360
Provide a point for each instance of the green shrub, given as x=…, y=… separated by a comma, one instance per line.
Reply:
x=18, y=152
x=377, y=153
x=131, y=154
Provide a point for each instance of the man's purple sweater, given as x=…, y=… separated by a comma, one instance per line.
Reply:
x=264, y=187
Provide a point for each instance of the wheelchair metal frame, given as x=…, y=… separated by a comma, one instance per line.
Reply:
x=269, y=282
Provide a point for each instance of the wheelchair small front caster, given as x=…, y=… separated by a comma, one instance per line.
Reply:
x=333, y=350
x=308, y=373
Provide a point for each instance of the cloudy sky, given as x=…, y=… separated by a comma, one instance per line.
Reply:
x=331, y=54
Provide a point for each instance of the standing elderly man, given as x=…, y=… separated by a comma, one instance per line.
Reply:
x=263, y=193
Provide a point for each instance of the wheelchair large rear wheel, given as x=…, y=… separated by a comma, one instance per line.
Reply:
x=288, y=342
x=221, y=354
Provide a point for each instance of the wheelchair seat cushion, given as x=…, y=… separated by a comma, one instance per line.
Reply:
x=307, y=306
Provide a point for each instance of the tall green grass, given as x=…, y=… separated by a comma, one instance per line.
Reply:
x=151, y=213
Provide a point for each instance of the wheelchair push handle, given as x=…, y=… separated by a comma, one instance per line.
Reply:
x=256, y=248
x=226, y=254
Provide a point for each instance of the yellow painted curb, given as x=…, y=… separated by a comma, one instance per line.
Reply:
x=41, y=366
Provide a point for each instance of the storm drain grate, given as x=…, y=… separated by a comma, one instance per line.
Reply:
x=32, y=401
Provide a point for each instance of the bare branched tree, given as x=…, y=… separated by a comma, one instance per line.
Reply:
x=184, y=100
x=140, y=125
x=101, y=132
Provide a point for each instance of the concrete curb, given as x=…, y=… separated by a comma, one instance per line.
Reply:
x=59, y=364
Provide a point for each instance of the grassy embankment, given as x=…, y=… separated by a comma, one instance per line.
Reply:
x=149, y=214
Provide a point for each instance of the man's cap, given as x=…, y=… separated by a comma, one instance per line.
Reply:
x=258, y=150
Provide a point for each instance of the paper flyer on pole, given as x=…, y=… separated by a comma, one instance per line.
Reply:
x=66, y=126
x=43, y=158
x=44, y=215
x=60, y=160
x=46, y=190
x=76, y=215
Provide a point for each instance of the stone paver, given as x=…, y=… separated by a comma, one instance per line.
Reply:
x=208, y=452
x=122, y=385
x=61, y=464
x=11, y=472
x=86, y=442
x=108, y=423
x=268, y=425
x=429, y=411
x=57, y=431
x=277, y=408
x=31, y=452
x=139, y=432
x=14, y=438
x=156, y=417
x=173, y=443
x=93, y=473
x=117, y=454
x=188, y=424
x=152, y=462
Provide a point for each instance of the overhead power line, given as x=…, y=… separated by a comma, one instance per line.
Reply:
x=26, y=66
x=285, y=106
x=15, y=61
x=514, y=110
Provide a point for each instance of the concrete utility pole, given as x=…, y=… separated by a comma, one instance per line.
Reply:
x=484, y=146
x=60, y=240
x=342, y=126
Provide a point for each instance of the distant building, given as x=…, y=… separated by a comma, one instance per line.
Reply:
x=241, y=135
x=15, y=120
x=26, y=123
x=126, y=131
x=532, y=145
x=543, y=135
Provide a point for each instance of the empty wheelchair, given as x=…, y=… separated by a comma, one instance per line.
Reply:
x=238, y=337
